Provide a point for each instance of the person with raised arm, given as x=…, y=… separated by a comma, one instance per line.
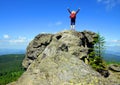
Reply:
x=73, y=18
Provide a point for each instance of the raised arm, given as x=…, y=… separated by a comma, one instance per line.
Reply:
x=69, y=11
x=77, y=10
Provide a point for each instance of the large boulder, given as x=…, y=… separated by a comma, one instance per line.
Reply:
x=36, y=47
x=114, y=67
x=77, y=42
x=61, y=59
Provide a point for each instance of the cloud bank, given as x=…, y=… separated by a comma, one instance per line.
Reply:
x=109, y=3
x=6, y=36
x=113, y=43
x=14, y=42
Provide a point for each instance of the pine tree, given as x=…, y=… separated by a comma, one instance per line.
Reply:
x=95, y=55
x=99, y=45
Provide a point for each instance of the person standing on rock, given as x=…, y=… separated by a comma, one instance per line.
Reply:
x=73, y=18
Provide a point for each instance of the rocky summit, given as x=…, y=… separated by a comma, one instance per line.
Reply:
x=61, y=59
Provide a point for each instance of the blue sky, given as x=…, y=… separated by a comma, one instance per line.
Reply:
x=22, y=20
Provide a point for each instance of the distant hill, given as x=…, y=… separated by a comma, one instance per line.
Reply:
x=12, y=51
x=10, y=61
x=111, y=56
x=10, y=67
x=113, y=50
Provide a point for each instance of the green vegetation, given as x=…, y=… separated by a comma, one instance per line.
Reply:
x=112, y=62
x=10, y=67
x=99, y=45
x=96, y=60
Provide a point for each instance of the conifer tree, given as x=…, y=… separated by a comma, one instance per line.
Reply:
x=99, y=45
x=95, y=54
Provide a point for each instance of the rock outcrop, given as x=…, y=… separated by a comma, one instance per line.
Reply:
x=36, y=47
x=61, y=59
x=114, y=67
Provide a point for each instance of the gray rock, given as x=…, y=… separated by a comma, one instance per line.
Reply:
x=114, y=67
x=60, y=69
x=36, y=47
x=59, y=59
x=76, y=43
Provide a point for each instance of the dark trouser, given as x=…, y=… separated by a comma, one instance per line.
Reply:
x=72, y=21
x=73, y=24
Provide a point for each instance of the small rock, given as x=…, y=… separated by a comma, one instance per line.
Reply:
x=114, y=67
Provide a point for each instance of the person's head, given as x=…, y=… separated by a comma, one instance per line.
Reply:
x=73, y=12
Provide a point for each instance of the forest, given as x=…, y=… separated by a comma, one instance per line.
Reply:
x=10, y=67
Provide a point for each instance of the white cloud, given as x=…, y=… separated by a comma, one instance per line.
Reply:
x=14, y=42
x=113, y=43
x=18, y=40
x=58, y=23
x=6, y=36
x=99, y=0
x=109, y=3
x=43, y=32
